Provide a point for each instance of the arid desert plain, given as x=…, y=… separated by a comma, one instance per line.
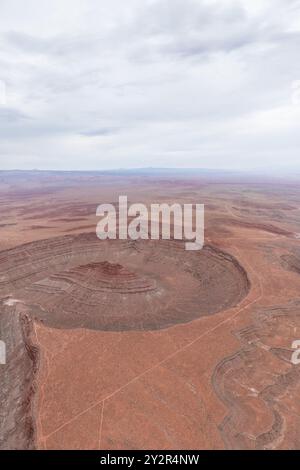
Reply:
x=124, y=344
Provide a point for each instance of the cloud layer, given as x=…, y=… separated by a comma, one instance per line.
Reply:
x=178, y=83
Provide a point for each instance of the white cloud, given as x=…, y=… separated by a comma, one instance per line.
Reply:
x=95, y=84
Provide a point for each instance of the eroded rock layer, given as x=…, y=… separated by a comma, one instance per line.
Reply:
x=291, y=262
x=17, y=379
x=80, y=281
x=260, y=386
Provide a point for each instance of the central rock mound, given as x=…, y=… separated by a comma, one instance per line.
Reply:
x=105, y=277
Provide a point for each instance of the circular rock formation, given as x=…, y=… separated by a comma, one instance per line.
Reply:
x=80, y=281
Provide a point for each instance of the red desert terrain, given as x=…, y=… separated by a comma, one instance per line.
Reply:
x=123, y=344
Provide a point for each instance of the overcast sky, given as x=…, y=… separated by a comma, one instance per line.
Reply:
x=97, y=84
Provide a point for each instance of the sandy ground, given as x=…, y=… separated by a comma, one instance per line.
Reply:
x=220, y=381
